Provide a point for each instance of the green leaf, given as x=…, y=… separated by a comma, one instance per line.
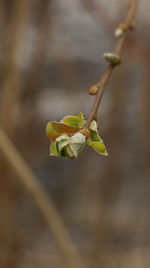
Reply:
x=51, y=132
x=98, y=146
x=80, y=115
x=74, y=121
x=94, y=136
x=55, y=129
x=95, y=141
x=53, y=150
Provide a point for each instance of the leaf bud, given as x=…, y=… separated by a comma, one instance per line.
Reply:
x=93, y=89
x=112, y=58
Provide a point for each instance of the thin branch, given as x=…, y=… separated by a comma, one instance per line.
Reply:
x=118, y=49
x=12, y=80
x=101, y=15
x=30, y=182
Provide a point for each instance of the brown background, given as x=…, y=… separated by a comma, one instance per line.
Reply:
x=50, y=53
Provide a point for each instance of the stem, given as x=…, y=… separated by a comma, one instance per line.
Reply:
x=105, y=77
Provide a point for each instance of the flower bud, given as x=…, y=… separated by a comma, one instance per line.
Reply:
x=112, y=58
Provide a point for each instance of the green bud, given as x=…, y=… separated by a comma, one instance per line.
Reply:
x=64, y=147
x=69, y=151
x=69, y=147
x=112, y=58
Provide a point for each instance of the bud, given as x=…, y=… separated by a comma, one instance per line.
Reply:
x=93, y=90
x=118, y=32
x=93, y=125
x=121, y=29
x=69, y=147
x=78, y=140
x=65, y=148
x=112, y=58
x=69, y=151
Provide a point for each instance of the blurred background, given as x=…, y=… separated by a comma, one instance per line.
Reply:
x=50, y=54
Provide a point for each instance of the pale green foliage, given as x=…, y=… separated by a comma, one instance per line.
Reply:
x=67, y=140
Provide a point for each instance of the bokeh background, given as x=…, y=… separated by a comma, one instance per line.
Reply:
x=50, y=54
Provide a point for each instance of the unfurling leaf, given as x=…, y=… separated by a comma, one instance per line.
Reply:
x=98, y=146
x=53, y=150
x=65, y=147
x=69, y=147
x=95, y=141
x=69, y=136
x=79, y=140
x=55, y=129
x=74, y=121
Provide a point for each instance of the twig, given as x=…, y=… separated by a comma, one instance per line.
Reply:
x=118, y=49
x=12, y=80
x=30, y=182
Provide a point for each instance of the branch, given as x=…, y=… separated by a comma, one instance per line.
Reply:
x=118, y=49
x=12, y=81
x=29, y=181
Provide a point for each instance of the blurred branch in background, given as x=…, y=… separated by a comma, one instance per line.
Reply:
x=49, y=53
x=14, y=16
x=29, y=181
x=12, y=84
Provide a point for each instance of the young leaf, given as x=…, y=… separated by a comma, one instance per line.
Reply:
x=78, y=140
x=74, y=121
x=98, y=146
x=53, y=150
x=55, y=129
x=65, y=147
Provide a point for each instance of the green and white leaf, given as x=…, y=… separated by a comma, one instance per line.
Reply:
x=95, y=141
x=98, y=146
x=78, y=140
x=74, y=121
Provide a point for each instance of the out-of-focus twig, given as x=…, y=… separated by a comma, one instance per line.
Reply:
x=14, y=18
x=12, y=77
x=118, y=49
x=30, y=183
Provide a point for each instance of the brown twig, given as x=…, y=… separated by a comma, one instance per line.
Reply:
x=30, y=182
x=12, y=80
x=118, y=49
